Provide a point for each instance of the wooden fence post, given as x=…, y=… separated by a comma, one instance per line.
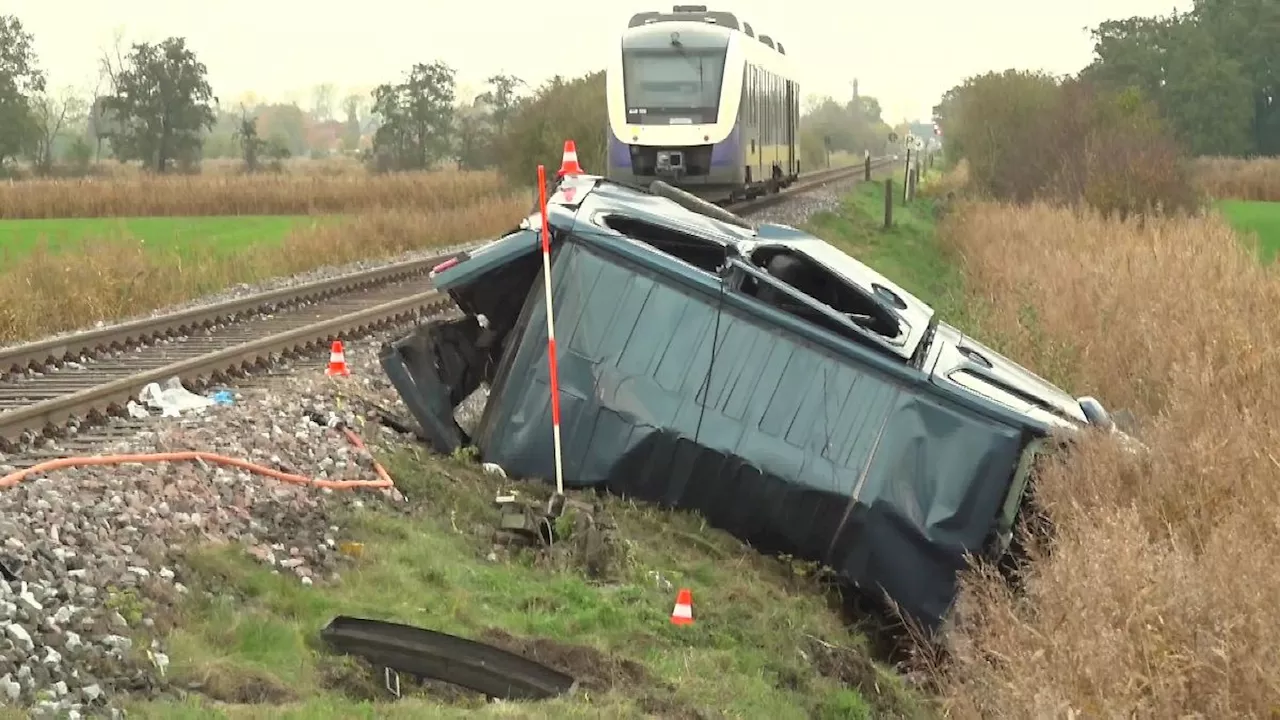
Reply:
x=888, y=203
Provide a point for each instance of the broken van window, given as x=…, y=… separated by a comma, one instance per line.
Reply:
x=706, y=255
x=823, y=286
x=757, y=283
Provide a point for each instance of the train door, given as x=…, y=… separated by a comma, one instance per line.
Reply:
x=771, y=157
x=755, y=149
x=790, y=152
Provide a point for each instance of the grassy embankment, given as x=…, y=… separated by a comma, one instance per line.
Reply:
x=77, y=252
x=767, y=641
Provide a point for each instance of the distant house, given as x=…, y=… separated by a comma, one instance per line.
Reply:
x=102, y=121
x=326, y=136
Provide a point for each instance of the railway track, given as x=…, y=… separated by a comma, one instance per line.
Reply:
x=805, y=184
x=55, y=388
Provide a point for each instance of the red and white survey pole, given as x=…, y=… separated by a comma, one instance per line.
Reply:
x=552, y=507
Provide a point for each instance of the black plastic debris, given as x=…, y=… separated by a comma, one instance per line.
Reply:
x=6, y=570
x=423, y=653
x=452, y=351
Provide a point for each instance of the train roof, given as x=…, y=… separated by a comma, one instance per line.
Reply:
x=700, y=14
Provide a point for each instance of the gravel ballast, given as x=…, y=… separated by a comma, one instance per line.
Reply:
x=93, y=549
x=93, y=555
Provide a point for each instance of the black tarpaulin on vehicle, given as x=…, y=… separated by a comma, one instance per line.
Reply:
x=789, y=437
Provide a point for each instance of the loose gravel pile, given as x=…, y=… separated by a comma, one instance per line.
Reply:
x=88, y=553
x=90, y=550
x=796, y=210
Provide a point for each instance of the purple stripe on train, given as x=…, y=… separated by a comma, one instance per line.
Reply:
x=723, y=154
x=619, y=155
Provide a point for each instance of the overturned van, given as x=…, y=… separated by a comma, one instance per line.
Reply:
x=791, y=394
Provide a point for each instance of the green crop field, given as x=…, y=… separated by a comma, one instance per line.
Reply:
x=1260, y=218
x=229, y=234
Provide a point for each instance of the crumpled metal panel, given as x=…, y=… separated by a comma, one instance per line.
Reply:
x=786, y=443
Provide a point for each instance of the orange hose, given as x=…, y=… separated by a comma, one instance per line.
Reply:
x=383, y=481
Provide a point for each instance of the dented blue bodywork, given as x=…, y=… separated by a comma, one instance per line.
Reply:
x=781, y=420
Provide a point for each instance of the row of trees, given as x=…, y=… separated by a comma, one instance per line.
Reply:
x=1213, y=72
x=156, y=109
x=1116, y=136
x=154, y=106
x=828, y=126
x=1028, y=135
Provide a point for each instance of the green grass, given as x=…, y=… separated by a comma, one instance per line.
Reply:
x=1260, y=218
x=766, y=642
x=225, y=234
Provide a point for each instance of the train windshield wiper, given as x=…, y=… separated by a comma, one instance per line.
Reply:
x=679, y=46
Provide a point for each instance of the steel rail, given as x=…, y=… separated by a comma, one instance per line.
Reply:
x=808, y=183
x=64, y=398
x=53, y=351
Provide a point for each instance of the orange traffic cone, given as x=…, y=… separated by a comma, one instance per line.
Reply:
x=337, y=361
x=683, y=612
x=569, y=165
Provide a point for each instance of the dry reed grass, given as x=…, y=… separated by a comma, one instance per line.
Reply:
x=1159, y=596
x=1239, y=178
x=45, y=293
x=265, y=194
x=946, y=183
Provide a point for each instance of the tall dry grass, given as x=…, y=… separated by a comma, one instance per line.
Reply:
x=1160, y=597
x=265, y=194
x=1239, y=178
x=45, y=293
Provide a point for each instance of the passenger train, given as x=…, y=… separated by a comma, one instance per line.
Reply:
x=698, y=100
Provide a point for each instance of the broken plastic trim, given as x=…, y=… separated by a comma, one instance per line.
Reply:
x=693, y=203
x=428, y=654
x=855, y=331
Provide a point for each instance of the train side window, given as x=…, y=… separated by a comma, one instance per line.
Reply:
x=777, y=109
x=764, y=106
x=768, y=106
x=755, y=113
x=782, y=100
x=768, y=116
x=760, y=104
x=773, y=106
x=755, y=97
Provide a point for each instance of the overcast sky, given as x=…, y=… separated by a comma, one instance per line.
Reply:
x=906, y=54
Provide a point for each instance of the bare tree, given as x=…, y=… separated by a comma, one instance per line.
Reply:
x=53, y=113
x=322, y=99
x=110, y=65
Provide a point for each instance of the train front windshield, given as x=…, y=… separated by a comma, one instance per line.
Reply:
x=673, y=85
